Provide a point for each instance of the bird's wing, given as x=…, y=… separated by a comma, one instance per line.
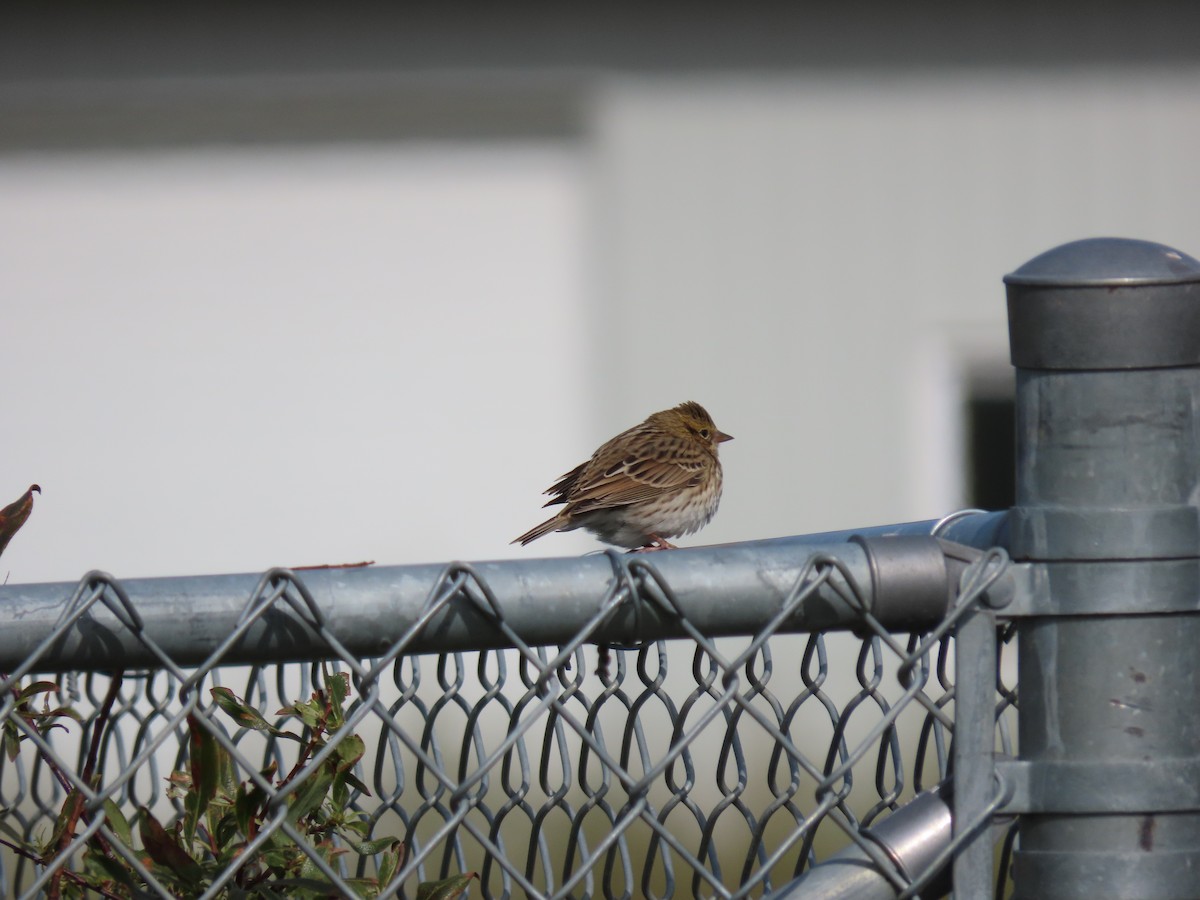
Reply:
x=646, y=470
x=560, y=491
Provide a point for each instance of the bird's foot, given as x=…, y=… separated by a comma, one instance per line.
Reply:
x=654, y=543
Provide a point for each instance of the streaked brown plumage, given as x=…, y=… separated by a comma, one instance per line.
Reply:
x=657, y=480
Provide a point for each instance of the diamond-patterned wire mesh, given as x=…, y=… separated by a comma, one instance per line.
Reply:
x=691, y=767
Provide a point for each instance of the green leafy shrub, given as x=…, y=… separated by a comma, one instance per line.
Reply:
x=227, y=821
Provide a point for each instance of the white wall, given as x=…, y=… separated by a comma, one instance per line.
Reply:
x=223, y=360
x=819, y=259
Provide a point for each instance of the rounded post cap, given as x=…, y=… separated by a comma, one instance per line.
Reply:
x=1107, y=261
x=1105, y=304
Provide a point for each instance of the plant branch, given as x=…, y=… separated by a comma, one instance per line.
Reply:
x=75, y=798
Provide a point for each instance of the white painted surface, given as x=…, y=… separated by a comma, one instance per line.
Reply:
x=224, y=359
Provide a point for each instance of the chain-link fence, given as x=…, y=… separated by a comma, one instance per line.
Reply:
x=696, y=765
x=691, y=766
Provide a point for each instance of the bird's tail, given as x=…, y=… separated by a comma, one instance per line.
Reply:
x=537, y=531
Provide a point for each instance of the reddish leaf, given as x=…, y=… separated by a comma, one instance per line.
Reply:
x=349, y=752
x=67, y=817
x=339, y=688
x=162, y=847
x=38, y=687
x=117, y=822
x=247, y=806
x=61, y=712
x=311, y=794
x=11, y=741
x=13, y=516
x=246, y=715
x=240, y=712
x=204, y=753
x=447, y=889
x=393, y=859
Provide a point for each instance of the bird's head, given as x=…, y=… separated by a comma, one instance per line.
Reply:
x=693, y=419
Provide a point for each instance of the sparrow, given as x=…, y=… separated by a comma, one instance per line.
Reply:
x=657, y=480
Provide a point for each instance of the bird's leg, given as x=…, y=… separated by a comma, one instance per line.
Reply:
x=653, y=543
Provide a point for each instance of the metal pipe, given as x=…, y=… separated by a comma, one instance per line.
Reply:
x=911, y=838
x=722, y=590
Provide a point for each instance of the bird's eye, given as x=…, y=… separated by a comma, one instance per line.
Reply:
x=704, y=433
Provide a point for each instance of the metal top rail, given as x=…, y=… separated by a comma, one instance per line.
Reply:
x=722, y=590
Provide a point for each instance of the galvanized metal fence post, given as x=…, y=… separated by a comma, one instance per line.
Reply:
x=974, y=743
x=1105, y=335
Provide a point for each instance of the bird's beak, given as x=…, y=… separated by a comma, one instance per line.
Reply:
x=722, y=437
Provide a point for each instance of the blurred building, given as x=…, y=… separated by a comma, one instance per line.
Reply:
x=797, y=216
